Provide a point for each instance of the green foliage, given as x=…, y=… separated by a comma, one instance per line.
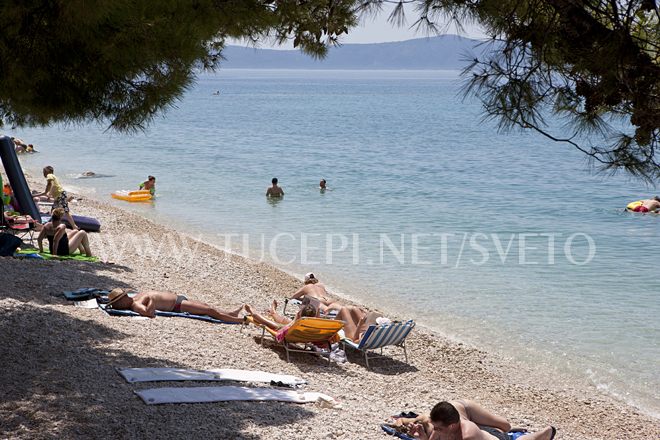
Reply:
x=594, y=62
x=124, y=61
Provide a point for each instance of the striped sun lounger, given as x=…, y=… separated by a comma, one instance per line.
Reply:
x=379, y=336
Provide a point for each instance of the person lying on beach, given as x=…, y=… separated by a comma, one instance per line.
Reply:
x=146, y=303
x=275, y=190
x=466, y=420
x=278, y=322
x=317, y=293
x=63, y=241
x=55, y=190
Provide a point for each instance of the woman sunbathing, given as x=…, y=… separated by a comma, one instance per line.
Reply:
x=278, y=322
x=357, y=321
x=60, y=240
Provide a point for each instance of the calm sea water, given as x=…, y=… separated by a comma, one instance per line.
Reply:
x=502, y=240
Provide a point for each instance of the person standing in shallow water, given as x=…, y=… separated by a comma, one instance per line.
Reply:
x=275, y=190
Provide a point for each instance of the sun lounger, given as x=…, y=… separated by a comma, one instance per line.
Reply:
x=318, y=331
x=379, y=336
x=156, y=396
x=133, y=375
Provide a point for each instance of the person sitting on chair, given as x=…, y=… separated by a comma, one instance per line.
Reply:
x=146, y=303
x=279, y=322
x=63, y=241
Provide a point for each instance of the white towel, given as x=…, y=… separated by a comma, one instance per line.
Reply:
x=156, y=396
x=87, y=304
x=172, y=374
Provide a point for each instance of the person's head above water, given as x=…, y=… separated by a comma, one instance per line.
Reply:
x=274, y=180
x=322, y=183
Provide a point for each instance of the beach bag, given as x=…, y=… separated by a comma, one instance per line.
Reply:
x=8, y=244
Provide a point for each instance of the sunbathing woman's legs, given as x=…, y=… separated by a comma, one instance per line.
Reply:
x=79, y=240
x=352, y=317
x=200, y=308
x=260, y=319
x=276, y=317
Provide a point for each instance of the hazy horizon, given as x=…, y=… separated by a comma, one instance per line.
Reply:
x=378, y=30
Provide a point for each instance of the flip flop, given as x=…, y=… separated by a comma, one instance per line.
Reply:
x=554, y=432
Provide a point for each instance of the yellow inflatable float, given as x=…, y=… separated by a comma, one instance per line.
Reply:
x=143, y=195
x=635, y=206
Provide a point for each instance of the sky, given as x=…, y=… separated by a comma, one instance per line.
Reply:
x=378, y=30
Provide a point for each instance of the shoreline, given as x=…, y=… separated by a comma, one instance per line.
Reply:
x=439, y=368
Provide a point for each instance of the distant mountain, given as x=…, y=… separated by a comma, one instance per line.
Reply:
x=441, y=52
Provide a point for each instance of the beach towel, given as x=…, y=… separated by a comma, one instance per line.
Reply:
x=47, y=256
x=157, y=396
x=87, y=304
x=114, y=312
x=175, y=374
x=392, y=431
x=85, y=293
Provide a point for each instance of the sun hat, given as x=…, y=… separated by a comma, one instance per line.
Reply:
x=115, y=295
x=310, y=278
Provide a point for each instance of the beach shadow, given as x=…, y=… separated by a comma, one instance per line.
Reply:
x=59, y=381
x=305, y=362
x=41, y=280
x=386, y=364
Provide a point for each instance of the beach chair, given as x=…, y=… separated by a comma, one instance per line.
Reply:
x=383, y=335
x=21, y=226
x=305, y=331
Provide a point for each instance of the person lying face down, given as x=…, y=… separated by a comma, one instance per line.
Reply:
x=316, y=292
x=146, y=303
x=467, y=420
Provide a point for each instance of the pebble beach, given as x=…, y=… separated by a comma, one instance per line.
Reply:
x=59, y=362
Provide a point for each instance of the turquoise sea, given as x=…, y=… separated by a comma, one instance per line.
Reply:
x=507, y=241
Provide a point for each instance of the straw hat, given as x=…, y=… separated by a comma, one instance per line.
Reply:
x=115, y=295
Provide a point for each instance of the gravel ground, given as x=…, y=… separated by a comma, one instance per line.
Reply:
x=57, y=361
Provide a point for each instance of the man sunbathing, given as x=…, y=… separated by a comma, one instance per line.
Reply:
x=317, y=293
x=466, y=420
x=146, y=304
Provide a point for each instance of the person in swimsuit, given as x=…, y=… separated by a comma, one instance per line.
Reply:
x=278, y=322
x=146, y=303
x=317, y=293
x=357, y=321
x=149, y=184
x=55, y=191
x=649, y=205
x=467, y=420
x=60, y=240
x=274, y=190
